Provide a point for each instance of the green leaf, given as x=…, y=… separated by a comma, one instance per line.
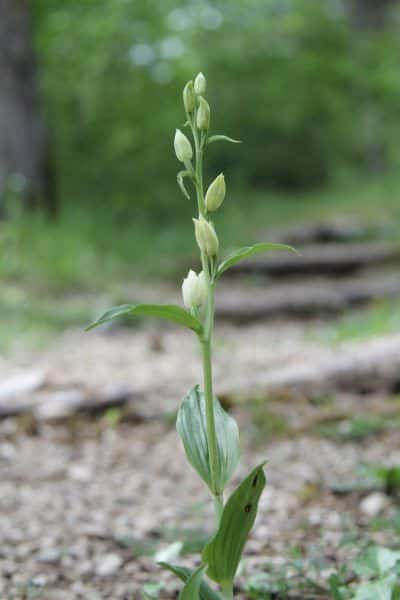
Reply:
x=222, y=555
x=222, y=138
x=376, y=561
x=206, y=593
x=191, y=590
x=247, y=251
x=335, y=587
x=171, y=552
x=162, y=311
x=192, y=428
x=151, y=591
x=377, y=590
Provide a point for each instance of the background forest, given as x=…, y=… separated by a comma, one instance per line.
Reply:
x=310, y=87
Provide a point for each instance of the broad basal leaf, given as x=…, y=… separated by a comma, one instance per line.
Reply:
x=170, y=312
x=377, y=590
x=222, y=555
x=376, y=561
x=247, y=251
x=206, y=593
x=192, y=428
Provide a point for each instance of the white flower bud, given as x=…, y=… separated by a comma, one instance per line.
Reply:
x=200, y=84
x=206, y=237
x=183, y=148
x=216, y=193
x=194, y=290
x=189, y=97
x=203, y=115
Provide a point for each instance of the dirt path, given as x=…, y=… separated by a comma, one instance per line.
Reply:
x=86, y=504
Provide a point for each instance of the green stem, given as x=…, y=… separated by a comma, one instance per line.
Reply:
x=227, y=591
x=219, y=507
x=210, y=417
x=206, y=342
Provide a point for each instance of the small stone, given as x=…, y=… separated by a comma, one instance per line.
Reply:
x=373, y=504
x=108, y=565
x=50, y=556
x=80, y=473
x=39, y=580
x=7, y=452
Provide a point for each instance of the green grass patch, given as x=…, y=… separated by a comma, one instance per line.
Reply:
x=31, y=320
x=93, y=248
x=379, y=318
x=357, y=428
x=47, y=268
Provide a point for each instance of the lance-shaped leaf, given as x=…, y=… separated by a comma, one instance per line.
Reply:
x=222, y=555
x=222, y=138
x=191, y=589
x=192, y=427
x=170, y=312
x=184, y=574
x=247, y=251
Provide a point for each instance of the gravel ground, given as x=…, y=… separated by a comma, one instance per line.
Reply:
x=80, y=503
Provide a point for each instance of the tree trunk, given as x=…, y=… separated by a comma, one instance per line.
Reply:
x=26, y=169
x=371, y=14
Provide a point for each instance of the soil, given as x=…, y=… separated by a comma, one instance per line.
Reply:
x=86, y=504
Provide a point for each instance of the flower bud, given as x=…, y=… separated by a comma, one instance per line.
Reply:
x=194, y=290
x=203, y=115
x=183, y=148
x=189, y=97
x=206, y=237
x=200, y=84
x=216, y=193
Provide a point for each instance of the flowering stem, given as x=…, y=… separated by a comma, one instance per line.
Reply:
x=206, y=341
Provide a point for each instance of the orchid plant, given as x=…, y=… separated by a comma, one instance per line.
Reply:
x=209, y=434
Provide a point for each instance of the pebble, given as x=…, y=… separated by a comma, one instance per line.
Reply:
x=50, y=556
x=39, y=580
x=373, y=504
x=108, y=565
x=80, y=473
x=7, y=452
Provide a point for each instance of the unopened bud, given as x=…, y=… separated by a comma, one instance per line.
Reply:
x=203, y=115
x=194, y=290
x=206, y=237
x=216, y=193
x=200, y=84
x=189, y=97
x=182, y=146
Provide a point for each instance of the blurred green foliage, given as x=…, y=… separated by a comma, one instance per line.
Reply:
x=307, y=93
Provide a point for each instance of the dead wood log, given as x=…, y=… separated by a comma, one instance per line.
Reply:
x=61, y=405
x=57, y=405
x=323, y=232
x=20, y=384
x=303, y=299
x=362, y=368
